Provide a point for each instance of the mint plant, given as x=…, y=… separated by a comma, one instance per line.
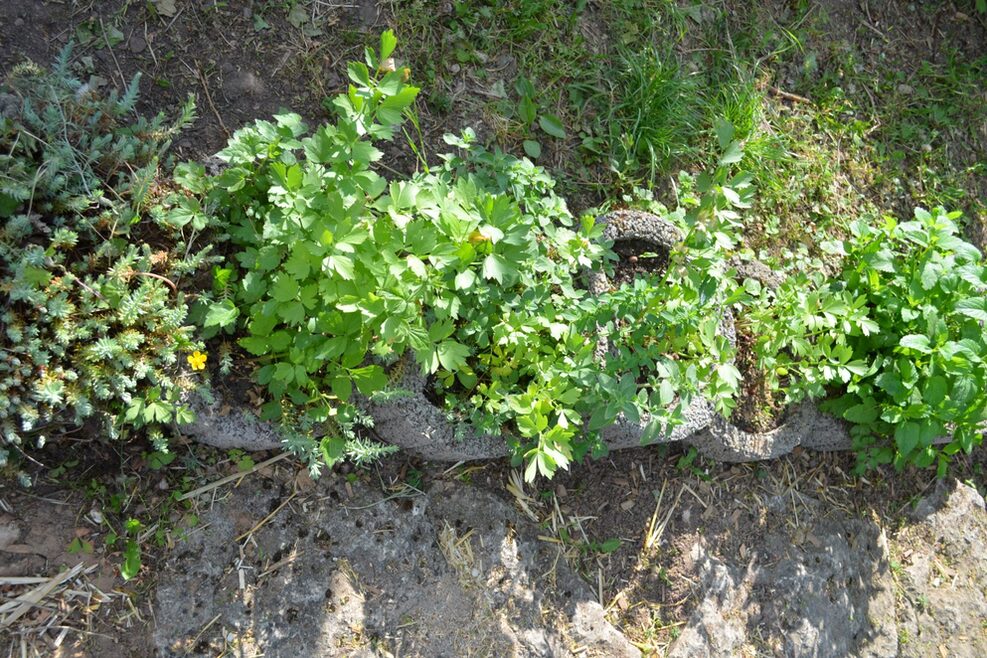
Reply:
x=922, y=371
x=511, y=354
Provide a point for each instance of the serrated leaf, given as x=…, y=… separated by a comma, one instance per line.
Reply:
x=465, y=280
x=417, y=266
x=452, y=355
x=369, y=379
x=342, y=387
x=973, y=308
x=862, y=414
x=495, y=267
x=285, y=288
x=734, y=153
x=724, y=133
x=256, y=345
x=343, y=265
x=333, y=449
x=358, y=73
x=157, y=460
x=935, y=390
x=917, y=342
x=292, y=312
x=221, y=314
x=165, y=8
x=907, y=436
x=387, y=43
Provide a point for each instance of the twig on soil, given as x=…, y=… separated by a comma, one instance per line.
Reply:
x=401, y=494
x=788, y=96
x=212, y=106
x=212, y=621
x=695, y=495
x=106, y=40
x=515, y=485
x=652, y=536
x=47, y=588
x=266, y=518
x=277, y=565
x=173, y=19
x=150, y=48
x=232, y=478
x=655, y=534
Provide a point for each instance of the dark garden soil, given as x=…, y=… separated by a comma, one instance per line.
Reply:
x=638, y=259
x=243, y=60
x=758, y=409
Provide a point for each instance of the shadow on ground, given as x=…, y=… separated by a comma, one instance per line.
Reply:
x=286, y=567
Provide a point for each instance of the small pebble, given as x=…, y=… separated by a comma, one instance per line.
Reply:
x=137, y=44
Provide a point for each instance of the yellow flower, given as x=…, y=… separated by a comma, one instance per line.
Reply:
x=476, y=237
x=197, y=360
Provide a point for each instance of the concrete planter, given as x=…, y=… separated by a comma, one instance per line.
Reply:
x=804, y=425
x=226, y=424
x=414, y=424
x=662, y=236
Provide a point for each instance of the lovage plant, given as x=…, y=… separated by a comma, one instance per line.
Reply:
x=468, y=266
x=328, y=272
x=924, y=374
x=517, y=357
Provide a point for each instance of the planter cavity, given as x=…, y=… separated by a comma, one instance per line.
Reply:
x=660, y=236
x=801, y=425
x=633, y=225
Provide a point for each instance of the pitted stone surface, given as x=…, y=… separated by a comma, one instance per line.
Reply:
x=829, y=585
x=349, y=570
x=418, y=426
x=755, y=269
x=224, y=424
x=626, y=434
x=804, y=426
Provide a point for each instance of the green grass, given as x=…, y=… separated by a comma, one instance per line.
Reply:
x=656, y=116
x=638, y=85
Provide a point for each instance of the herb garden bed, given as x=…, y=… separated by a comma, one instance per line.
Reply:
x=324, y=271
